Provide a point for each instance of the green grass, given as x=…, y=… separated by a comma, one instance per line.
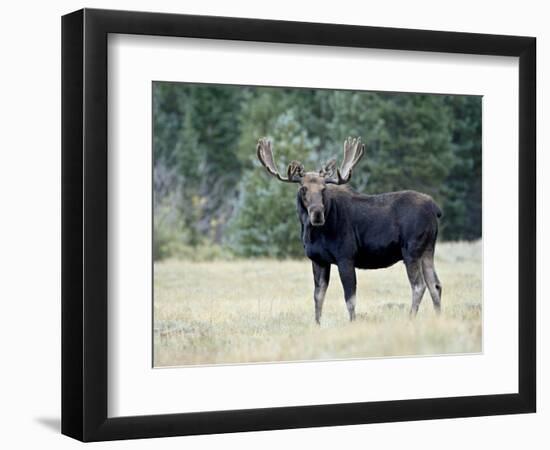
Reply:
x=226, y=312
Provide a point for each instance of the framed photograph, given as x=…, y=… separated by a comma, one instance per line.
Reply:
x=273, y=224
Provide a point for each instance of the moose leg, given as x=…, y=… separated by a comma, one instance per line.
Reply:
x=347, y=277
x=418, y=286
x=432, y=280
x=321, y=277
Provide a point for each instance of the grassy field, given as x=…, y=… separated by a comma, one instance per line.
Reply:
x=228, y=312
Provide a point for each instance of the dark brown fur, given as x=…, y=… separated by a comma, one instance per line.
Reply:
x=371, y=232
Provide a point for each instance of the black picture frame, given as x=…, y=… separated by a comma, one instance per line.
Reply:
x=84, y=224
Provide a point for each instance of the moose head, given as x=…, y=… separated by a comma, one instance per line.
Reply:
x=313, y=184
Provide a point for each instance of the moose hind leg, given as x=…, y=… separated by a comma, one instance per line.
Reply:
x=349, y=283
x=418, y=286
x=321, y=277
x=432, y=280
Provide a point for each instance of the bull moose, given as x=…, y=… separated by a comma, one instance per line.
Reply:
x=352, y=230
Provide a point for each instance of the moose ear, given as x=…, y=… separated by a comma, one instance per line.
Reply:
x=329, y=168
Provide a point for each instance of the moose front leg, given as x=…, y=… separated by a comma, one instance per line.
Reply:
x=321, y=277
x=349, y=282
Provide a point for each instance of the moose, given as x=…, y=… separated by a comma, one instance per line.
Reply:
x=351, y=230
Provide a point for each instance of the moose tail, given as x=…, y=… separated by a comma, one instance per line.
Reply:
x=437, y=210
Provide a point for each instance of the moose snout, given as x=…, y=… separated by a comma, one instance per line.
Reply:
x=317, y=216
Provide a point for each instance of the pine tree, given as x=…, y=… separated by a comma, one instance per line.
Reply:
x=463, y=184
x=265, y=220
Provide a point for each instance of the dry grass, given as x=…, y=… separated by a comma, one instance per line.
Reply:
x=262, y=310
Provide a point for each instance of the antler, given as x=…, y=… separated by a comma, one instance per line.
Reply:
x=353, y=152
x=328, y=169
x=295, y=170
